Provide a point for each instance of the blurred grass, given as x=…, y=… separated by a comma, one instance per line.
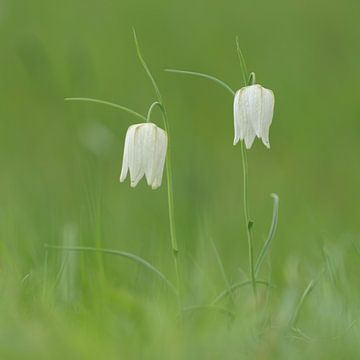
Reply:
x=60, y=164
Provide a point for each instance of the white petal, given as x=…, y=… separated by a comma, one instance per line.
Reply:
x=149, y=151
x=129, y=138
x=247, y=108
x=135, y=156
x=159, y=158
x=237, y=117
x=252, y=104
x=249, y=137
x=267, y=111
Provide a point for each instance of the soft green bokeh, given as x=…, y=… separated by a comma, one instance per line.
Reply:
x=60, y=163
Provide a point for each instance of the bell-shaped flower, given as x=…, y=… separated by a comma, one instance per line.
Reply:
x=144, y=154
x=253, y=113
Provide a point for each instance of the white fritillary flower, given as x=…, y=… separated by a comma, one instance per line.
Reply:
x=253, y=113
x=144, y=154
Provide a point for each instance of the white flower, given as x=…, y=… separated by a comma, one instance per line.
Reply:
x=253, y=113
x=144, y=154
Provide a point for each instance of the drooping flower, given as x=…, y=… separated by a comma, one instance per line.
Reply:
x=253, y=113
x=144, y=154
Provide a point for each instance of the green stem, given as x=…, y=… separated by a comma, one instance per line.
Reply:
x=170, y=196
x=170, y=191
x=247, y=81
x=248, y=222
x=151, y=108
x=252, y=79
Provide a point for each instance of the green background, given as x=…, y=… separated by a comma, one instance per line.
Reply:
x=60, y=164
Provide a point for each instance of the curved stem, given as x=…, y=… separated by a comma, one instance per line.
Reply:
x=252, y=79
x=103, y=102
x=170, y=196
x=170, y=190
x=151, y=108
x=248, y=221
x=193, y=73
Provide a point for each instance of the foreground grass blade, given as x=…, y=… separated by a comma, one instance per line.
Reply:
x=212, y=78
x=299, y=306
x=124, y=254
x=221, y=265
x=108, y=103
x=234, y=287
x=266, y=247
x=220, y=309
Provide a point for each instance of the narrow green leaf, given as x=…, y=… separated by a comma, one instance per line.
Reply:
x=299, y=306
x=118, y=253
x=266, y=247
x=103, y=102
x=212, y=78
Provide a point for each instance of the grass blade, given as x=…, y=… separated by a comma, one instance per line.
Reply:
x=212, y=78
x=222, y=268
x=221, y=265
x=124, y=254
x=236, y=286
x=299, y=306
x=266, y=247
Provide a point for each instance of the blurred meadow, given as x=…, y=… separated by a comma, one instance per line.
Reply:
x=60, y=164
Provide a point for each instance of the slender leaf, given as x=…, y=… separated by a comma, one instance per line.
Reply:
x=127, y=255
x=222, y=268
x=299, y=306
x=103, y=102
x=266, y=247
x=212, y=78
